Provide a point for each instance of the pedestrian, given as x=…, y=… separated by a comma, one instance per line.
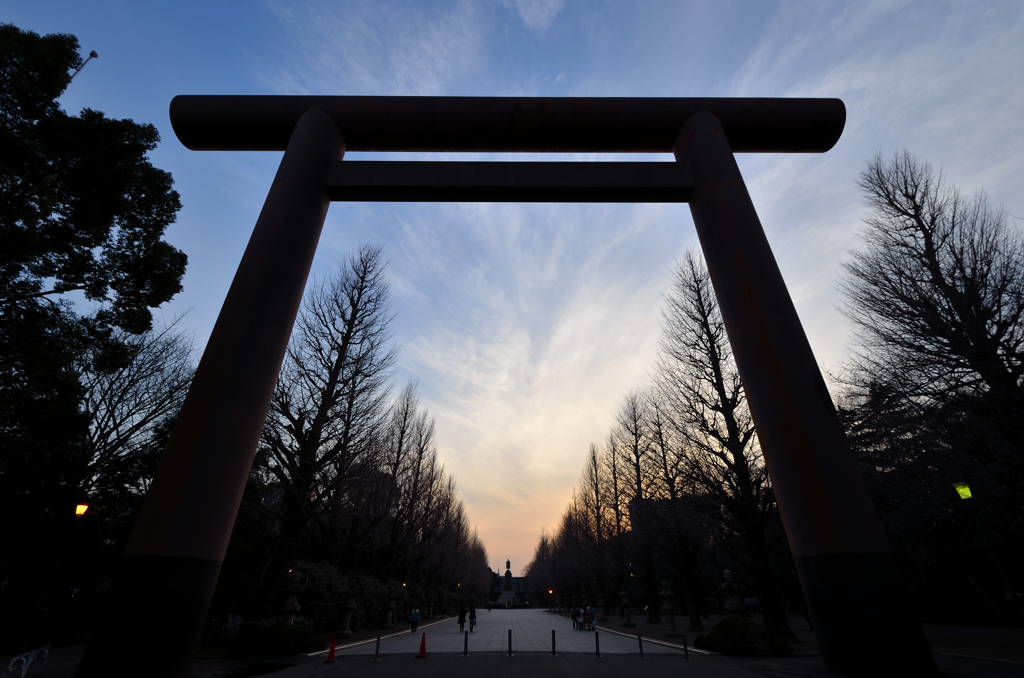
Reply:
x=472, y=617
x=488, y=606
x=462, y=618
x=414, y=617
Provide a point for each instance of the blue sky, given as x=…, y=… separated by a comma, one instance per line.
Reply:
x=527, y=324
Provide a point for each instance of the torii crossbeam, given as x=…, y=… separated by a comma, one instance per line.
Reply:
x=862, y=615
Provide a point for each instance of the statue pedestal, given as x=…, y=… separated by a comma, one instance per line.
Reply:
x=507, y=594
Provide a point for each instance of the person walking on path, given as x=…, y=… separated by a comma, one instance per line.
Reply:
x=472, y=617
x=414, y=617
x=462, y=618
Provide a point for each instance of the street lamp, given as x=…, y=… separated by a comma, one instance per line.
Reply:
x=80, y=510
x=962, y=492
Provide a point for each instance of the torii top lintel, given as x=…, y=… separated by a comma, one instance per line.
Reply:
x=507, y=124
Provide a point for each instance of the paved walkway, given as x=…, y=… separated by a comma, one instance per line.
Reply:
x=531, y=632
x=525, y=664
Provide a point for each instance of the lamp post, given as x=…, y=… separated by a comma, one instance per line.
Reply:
x=965, y=500
x=80, y=510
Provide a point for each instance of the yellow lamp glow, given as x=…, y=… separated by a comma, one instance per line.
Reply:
x=81, y=509
x=963, y=490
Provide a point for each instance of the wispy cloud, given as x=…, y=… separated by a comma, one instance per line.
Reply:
x=537, y=15
x=376, y=48
x=938, y=79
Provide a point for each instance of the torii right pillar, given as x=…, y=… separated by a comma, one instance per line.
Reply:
x=862, y=615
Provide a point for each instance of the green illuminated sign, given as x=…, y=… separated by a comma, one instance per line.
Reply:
x=963, y=490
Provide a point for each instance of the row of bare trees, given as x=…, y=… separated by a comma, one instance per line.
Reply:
x=933, y=396
x=347, y=474
x=680, y=476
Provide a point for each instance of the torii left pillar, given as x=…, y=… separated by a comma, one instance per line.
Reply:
x=170, y=566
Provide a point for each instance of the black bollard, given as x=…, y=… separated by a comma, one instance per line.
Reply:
x=553, y=643
x=510, y=642
x=686, y=650
x=597, y=643
x=640, y=641
x=465, y=644
x=376, y=652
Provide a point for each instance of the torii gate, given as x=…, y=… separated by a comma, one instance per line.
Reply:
x=861, y=612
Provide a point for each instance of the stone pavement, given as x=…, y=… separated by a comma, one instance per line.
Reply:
x=579, y=665
x=531, y=632
x=531, y=657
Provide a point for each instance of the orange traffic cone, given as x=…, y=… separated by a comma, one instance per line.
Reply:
x=423, y=647
x=330, y=655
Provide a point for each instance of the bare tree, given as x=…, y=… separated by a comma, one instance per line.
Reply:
x=634, y=445
x=680, y=516
x=617, y=496
x=667, y=449
x=127, y=404
x=700, y=382
x=592, y=495
x=323, y=430
x=540, y=574
x=937, y=294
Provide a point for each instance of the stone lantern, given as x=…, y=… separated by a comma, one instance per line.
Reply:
x=626, y=602
x=733, y=602
x=668, y=608
x=348, y=608
x=431, y=601
x=389, y=619
x=602, y=606
x=291, y=589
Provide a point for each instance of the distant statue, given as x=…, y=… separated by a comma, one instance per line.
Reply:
x=508, y=564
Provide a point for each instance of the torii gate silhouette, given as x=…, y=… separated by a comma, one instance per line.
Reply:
x=861, y=612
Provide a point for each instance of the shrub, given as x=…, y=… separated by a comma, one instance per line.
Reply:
x=324, y=591
x=742, y=638
x=274, y=641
